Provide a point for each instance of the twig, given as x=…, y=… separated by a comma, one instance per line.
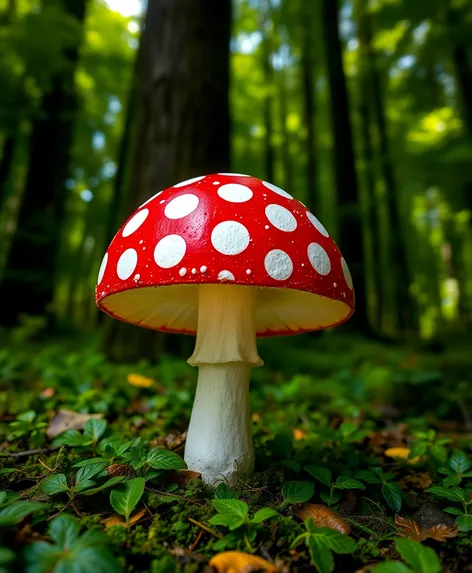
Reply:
x=197, y=541
x=212, y=531
x=28, y=453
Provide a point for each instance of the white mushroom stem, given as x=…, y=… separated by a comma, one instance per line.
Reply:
x=219, y=441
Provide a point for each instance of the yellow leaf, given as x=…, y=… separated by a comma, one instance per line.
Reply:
x=118, y=520
x=402, y=453
x=298, y=434
x=140, y=381
x=236, y=562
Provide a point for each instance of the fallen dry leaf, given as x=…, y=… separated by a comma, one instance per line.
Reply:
x=298, y=434
x=236, y=562
x=412, y=530
x=322, y=516
x=68, y=420
x=118, y=520
x=117, y=470
x=420, y=480
x=140, y=381
x=182, y=477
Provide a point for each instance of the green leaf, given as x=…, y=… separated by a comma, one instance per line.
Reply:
x=64, y=531
x=109, y=483
x=459, y=462
x=367, y=476
x=161, y=459
x=335, y=540
x=232, y=507
x=321, y=474
x=321, y=556
x=453, y=510
x=464, y=522
x=126, y=496
x=439, y=453
x=71, y=438
x=88, y=472
x=3, y=497
x=346, y=482
x=6, y=556
x=329, y=499
x=16, y=512
x=423, y=559
x=297, y=492
x=418, y=449
x=263, y=514
x=95, y=428
x=453, y=494
x=391, y=567
x=393, y=495
x=223, y=491
x=90, y=461
x=57, y=483
x=221, y=519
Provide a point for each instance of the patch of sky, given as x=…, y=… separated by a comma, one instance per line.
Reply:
x=86, y=195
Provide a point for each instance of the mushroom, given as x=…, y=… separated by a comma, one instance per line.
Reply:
x=226, y=257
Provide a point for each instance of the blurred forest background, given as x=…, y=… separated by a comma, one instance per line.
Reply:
x=362, y=109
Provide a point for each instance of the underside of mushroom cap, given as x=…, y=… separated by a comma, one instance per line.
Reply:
x=226, y=229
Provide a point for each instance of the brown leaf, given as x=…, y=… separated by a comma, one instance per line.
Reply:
x=322, y=516
x=412, y=529
x=236, y=562
x=441, y=532
x=182, y=477
x=117, y=470
x=47, y=392
x=419, y=480
x=118, y=520
x=68, y=420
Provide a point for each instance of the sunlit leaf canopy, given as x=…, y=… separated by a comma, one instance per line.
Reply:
x=429, y=141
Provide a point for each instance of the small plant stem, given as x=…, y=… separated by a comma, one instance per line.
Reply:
x=197, y=541
x=202, y=526
x=248, y=543
x=363, y=528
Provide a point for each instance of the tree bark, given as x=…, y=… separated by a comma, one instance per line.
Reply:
x=181, y=124
x=268, y=71
x=400, y=276
x=28, y=285
x=283, y=105
x=350, y=224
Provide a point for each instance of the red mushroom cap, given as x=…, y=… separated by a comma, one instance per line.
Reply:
x=225, y=228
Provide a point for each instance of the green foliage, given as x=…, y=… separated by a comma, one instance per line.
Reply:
x=421, y=559
x=17, y=511
x=297, y=492
x=126, y=497
x=27, y=425
x=71, y=551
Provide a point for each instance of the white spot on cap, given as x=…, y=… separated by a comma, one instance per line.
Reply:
x=318, y=226
x=248, y=272
x=277, y=190
x=346, y=273
x=102, y=269
x=183, y=272
x=181, y=206
x=216, y=182
x=235, y=193
x=225, y=276
x=188, y=181
x=267, y=227
x=135, y=222
x=278, y=265
x=194, y=271
x=319, y=259
x=141, y=242
x=203, y=269
x=230, y=238
x=281, y=218
x=235, y=174
x=126, y=264
x=153, y=197
x=136, y=277
x=170, y=251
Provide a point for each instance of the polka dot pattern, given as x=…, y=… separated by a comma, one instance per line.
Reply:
x=135, y=222
x=223, y=228
x=230, y=238
x=127, y=264
x=181, y=206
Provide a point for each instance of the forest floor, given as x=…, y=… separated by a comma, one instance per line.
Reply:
x=363, y=463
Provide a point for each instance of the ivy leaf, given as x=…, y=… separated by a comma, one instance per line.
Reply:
x=464, y=522
x=126, y=496
x=297, y=492
x=161, y=459
x=346, y=482
x=17, y=511
x=323, y=475
x=223, y=491
x=263, y=514
x=95, y=428
x=57, y=483
x=422, y=559
x=393, y=495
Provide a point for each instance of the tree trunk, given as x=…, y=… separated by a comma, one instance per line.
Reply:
x=350, y=224
x=400, y=275
x=28, y=285
x=181, y=125
x=268, y=71
x=309, y=109
x=286, y=159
